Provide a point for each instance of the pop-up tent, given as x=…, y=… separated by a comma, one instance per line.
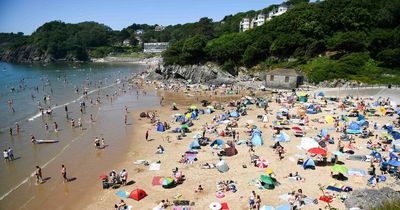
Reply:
x=160, y=127
x=354, y=128
x=282, y=137
x=256, y=138
x=234, y=114
x=138, y=194
x=194, y=145
x=217, y=143
x=309, y=163
x=222, y=166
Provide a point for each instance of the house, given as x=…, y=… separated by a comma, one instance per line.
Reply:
x=281, y=9
x=283, y=78
x=244, y=24
x=159, y=28
x=260, y=19
x=155, y=47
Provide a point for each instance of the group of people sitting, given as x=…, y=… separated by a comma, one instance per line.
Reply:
x=120, y=178
x=226, y=186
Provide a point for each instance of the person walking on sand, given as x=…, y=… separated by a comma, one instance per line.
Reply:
x=126, y=119
x=147, y=135
x=5, y=155
x=64, y=173
x=38, y=174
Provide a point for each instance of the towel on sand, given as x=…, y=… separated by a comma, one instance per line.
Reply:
x=156, y=180
x=154, y=167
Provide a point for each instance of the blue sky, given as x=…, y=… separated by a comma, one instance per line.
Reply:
x=26, y=15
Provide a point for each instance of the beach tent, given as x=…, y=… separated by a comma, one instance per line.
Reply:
x=394, y=163
x=363, y=123
x=282, y=137
x=308, y=143
x=360, y=117
x=321, y=94
x=309, y=163
x=194, y=145
x=376, y=155
x=324, y=132
x=256, y=138
x=138, y=194
x=354, y=128
x=395, y=134
x=235, y=114
x=222, y=166
x=396, y=145
x=230, y=151
x=143, y=115
x=160, y=127
x=217, y=142
x=193, y=115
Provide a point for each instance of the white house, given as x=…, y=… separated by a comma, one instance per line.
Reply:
x=244, y=24
x=247, y=24
x=155, y=47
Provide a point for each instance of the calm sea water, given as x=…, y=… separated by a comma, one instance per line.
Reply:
x=64, y=83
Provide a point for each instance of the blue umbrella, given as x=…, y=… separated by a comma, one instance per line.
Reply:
x=394, y=163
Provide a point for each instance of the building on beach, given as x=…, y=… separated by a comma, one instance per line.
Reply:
x=155, y=47
x=283, y=78
x=247, y=23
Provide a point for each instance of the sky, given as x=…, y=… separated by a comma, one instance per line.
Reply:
x=27, y=15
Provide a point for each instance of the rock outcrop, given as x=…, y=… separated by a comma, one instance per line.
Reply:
x=25, y=54
x=204, y=74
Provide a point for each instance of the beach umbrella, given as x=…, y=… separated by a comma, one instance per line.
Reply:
x=215, y=206
x=267, y=208
x=340, y=168
x=193, y=107
x=297, y=128
x=269, y=171
x=267, y=179
x=329, y=119
x=303, y=94
x=166, y=181
x=317, y=151
x=261, y=163
x=394, y=163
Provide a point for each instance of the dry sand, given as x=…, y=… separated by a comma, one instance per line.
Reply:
x=140, y=149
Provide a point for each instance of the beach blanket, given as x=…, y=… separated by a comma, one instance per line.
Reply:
x=155, y=167
x=357, y=157
x=339, y=187
x=356, y=172
x=190, y=157
x=182, y=208
x=122, y=194
x=138, y=162
x=306, y=200
x=156, y=180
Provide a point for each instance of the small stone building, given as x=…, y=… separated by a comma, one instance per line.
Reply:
x=283, y=78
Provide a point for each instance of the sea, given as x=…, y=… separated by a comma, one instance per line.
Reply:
x=97, y=94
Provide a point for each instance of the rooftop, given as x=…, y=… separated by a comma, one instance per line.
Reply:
x=284, y=72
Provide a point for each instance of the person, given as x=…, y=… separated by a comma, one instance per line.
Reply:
x=258, y=202
x=97, y=143
x=38, y=174
x=17, y=128
x=147, y=135
x=280, y=151
x=126, y=119
x=121, y=205
x=299, y=197
x=252, y=200
x=46, y=127
x=5, y=154
x=292, y=200
x=10, y=153
x=33, y=139
x=64, y=173
x=160, y=149
x=124, y=176
x=199, y=189
x=103, y=142
x=10, y=131
x=55, y=126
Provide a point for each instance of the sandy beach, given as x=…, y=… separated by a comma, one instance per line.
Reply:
x=244, y=177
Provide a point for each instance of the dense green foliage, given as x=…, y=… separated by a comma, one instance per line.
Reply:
x=356, y=39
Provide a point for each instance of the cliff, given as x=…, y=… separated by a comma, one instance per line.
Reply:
x=204, y=74
x=25, y=54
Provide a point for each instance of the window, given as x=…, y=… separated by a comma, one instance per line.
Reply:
x=286, y=79
x=272, y=77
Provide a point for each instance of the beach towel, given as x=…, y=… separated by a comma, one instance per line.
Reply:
x=182, y=208
x=306, y=200
x=156, y=180
x=122, y=194
x=356, y=172
x=138, y=162
x=155, y=167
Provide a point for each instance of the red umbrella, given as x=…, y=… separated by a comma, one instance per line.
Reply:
x=317, y=151
x=297, y=129
x=261, y=163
